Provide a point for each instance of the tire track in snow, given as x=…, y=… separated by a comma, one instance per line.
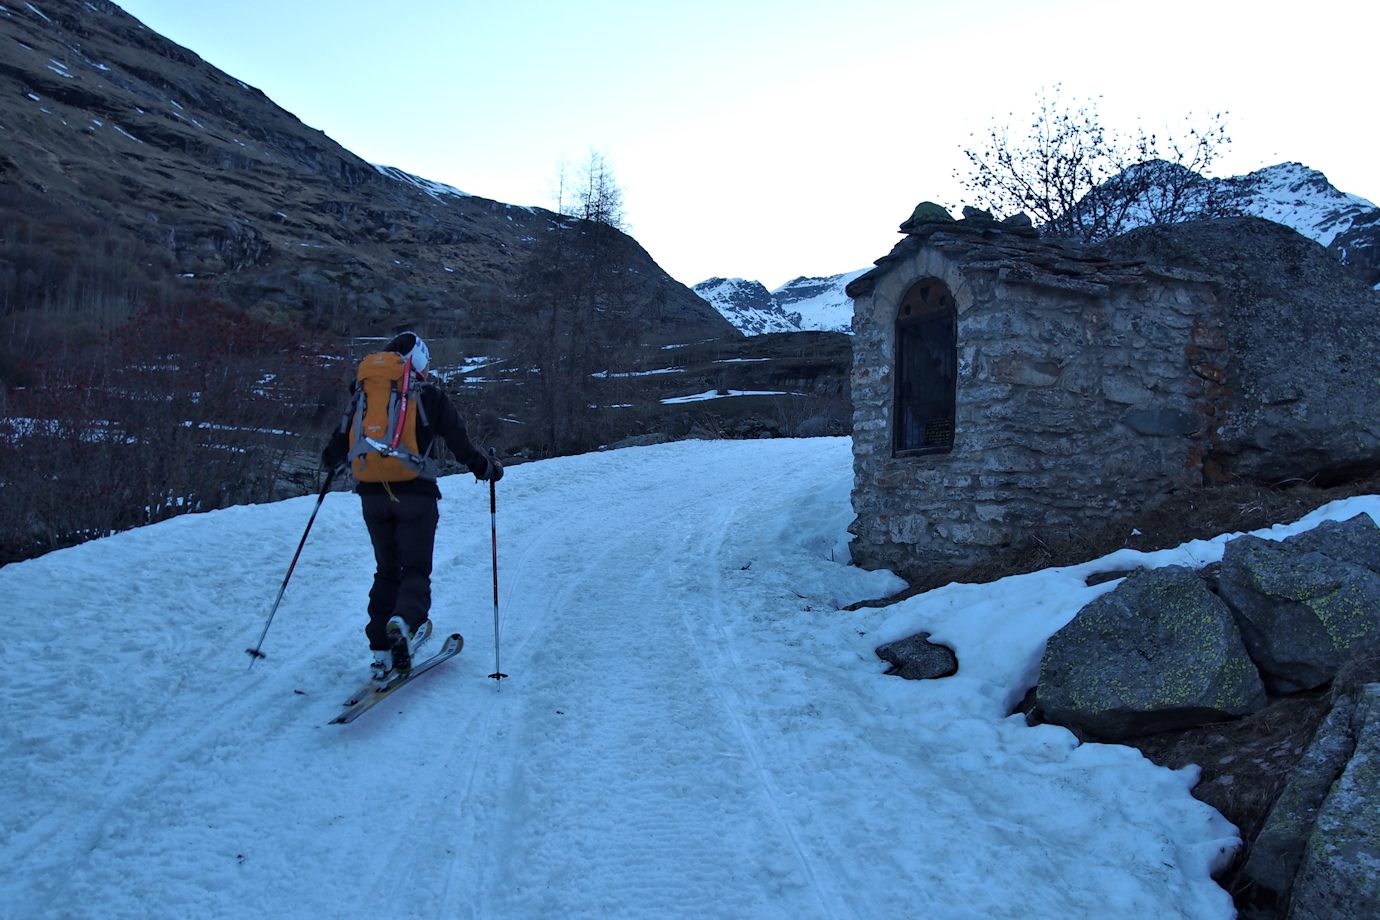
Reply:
x=186, y=713
x=597, y=635
x=422, y=847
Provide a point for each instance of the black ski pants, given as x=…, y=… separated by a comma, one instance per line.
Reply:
x=402, y=528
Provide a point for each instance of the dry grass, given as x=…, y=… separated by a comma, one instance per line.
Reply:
x=1245, y=762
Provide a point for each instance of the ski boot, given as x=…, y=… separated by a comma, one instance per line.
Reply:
x=405, y=642
x=381, y=668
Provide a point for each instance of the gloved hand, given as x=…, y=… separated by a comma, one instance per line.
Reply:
x=330, y=459
x=335, y=452
x=492, y=472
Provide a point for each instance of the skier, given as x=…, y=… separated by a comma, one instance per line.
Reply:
x=398, y=494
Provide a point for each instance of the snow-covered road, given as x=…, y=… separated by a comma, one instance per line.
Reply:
x=691, y=727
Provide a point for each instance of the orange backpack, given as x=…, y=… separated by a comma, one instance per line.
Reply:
x=383, y=422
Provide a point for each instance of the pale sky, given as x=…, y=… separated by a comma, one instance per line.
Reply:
x=768, y=139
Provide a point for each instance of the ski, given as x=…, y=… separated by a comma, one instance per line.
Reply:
x=368, y=697
x=368, y=688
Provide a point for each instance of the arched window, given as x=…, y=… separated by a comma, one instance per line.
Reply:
x=926, y=369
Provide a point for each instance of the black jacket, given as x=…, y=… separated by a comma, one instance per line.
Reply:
x=442, y=420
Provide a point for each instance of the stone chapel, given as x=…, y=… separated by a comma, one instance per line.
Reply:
x=1010, y=389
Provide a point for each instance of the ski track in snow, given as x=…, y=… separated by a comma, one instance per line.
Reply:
x=692, y=727
x=626, y=701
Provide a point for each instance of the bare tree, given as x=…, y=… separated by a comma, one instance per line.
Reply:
x=573, y=284
x=1077, y=178
x=592, y=194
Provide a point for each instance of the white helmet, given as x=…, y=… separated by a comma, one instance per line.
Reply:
x=411, y=346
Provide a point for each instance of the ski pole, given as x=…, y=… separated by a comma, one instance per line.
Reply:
x=254, y=653
x=493, y=531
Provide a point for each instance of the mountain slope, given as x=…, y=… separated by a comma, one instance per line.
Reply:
x=748, y=306
x=1289, y=194
x=104, y=120
x=1302, y=198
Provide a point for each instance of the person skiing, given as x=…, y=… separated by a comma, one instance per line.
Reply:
x=394, y=466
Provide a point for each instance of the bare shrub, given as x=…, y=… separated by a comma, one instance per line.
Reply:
x=1079, y=179
x=183, y=408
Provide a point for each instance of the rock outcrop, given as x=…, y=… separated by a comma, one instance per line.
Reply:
x=1340, y=871
x=1303, y=612
x=1172, y=650
x=1159, y=652
x=1163, y=651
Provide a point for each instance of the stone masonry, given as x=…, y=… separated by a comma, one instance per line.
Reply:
x=1089, y=386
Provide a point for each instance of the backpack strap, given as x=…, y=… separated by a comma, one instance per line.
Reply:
x=429, y=456
x=354, y=420
x=421, y=411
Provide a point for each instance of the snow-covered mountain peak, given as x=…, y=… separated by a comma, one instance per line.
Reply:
x=805, y=303
x=1299, y=197
x=748, y=306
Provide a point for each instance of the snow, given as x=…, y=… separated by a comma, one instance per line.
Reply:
x=435, y=190
x=605, y=375
x=747, y=305
x=821, y=302
x=813, y=303
x=692, y=726
x=468, y=365
x=723, y=394
x=1296, y=196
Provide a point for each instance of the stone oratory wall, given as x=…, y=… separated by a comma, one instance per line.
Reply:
x=1085, y=387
